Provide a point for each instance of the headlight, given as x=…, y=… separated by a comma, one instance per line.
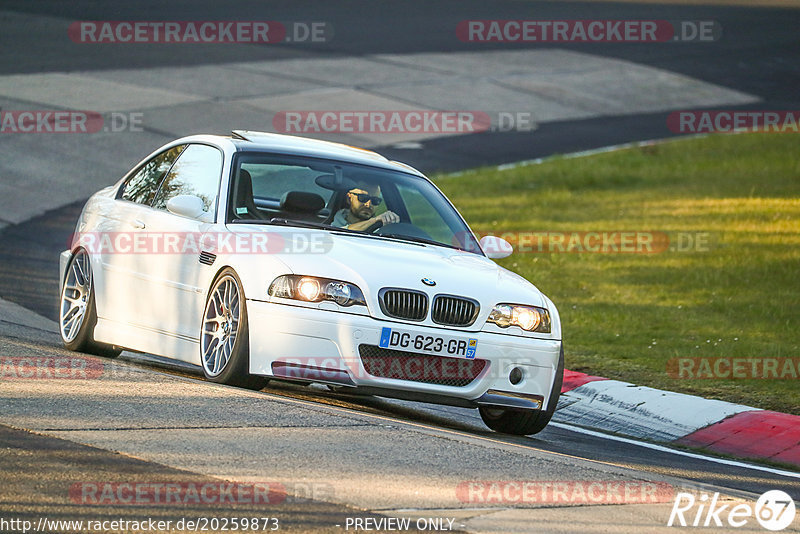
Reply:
x=315, y=289
x=530, y=318
x=308, y=289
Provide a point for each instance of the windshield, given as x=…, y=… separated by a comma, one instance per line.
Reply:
x=273, y=189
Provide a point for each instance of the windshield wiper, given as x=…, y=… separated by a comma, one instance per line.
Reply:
x=281, y=221
x=304, y=224
x=414, y=239
x=310, y=224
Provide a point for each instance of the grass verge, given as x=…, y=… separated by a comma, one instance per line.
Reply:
x=727, y=286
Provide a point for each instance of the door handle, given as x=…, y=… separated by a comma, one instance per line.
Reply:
x=138, y=224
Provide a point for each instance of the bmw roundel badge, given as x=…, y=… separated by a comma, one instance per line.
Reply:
x=428, y=282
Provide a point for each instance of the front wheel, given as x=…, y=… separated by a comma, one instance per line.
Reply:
x=77, y=312
x=525, y=422
x=224, y=340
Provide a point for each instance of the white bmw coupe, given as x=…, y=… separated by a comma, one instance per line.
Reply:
x=260, y=256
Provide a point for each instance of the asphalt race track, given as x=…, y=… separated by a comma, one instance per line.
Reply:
x=147, y=420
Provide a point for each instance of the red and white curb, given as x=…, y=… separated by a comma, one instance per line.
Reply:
x=663, y=416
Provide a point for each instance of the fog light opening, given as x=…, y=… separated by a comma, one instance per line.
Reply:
x=515, y=376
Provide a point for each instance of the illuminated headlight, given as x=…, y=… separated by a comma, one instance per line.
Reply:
x=528, y=318
x=315, y=289
x=308, y=289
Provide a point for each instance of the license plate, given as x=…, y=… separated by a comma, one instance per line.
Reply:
x=392, y=338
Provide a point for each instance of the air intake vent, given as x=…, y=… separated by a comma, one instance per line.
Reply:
x=415, y=367
x=450, y=310
x=403, y=303
x=207, y=258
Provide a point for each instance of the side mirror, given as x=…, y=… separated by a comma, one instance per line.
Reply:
x=186, y=206
x=496, y=247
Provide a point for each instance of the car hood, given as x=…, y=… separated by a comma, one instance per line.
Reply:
x=373, y=263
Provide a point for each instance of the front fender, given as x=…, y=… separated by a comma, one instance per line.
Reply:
x=63, y=261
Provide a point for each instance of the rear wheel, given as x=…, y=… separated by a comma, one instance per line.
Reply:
x=77, y=313
x=224, y=340
x=525, y=422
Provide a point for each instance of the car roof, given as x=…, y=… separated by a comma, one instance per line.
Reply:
x=248, y=140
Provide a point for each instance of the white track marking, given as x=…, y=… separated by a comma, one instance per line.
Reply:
x=662, y=448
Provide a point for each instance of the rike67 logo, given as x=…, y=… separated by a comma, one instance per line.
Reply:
x=774, y=510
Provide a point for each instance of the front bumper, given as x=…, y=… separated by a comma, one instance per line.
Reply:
x=318, y=345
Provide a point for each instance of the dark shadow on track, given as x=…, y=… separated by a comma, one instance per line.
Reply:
x=29, y=259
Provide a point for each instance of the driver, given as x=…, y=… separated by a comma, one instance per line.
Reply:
x=359, y=210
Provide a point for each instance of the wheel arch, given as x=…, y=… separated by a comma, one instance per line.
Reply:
x=255, y=273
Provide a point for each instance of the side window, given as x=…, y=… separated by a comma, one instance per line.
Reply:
x=197, y=172
x=142, y=186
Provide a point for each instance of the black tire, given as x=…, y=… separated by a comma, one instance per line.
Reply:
x=235, y=370
x=525, y=422
x=79, y=337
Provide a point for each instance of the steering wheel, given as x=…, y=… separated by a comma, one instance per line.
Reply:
x=371, y=229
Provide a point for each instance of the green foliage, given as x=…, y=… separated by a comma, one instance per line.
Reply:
x=625, y=315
